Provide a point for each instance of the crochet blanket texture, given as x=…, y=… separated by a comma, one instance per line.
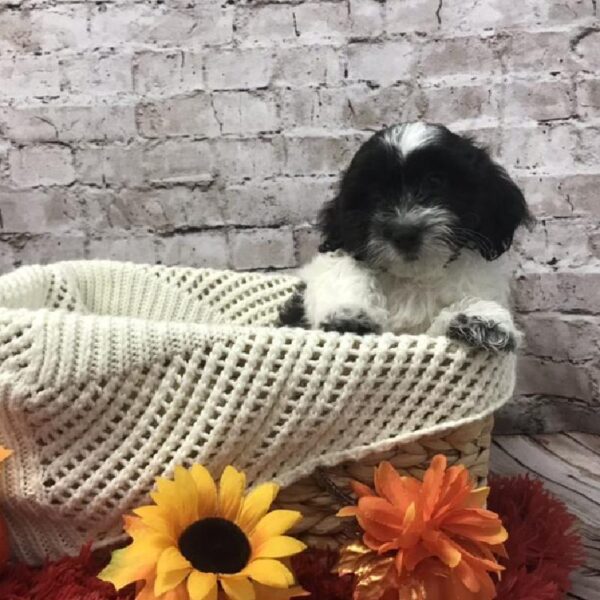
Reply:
x=113, y=373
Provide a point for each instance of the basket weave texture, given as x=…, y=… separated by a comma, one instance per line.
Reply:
x=111, y=374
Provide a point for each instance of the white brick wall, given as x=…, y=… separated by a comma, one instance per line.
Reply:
x=208, y=133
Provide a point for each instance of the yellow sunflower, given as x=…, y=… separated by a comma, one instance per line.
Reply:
x=198, y=542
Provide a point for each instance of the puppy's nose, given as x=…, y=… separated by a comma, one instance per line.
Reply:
x=406, y=238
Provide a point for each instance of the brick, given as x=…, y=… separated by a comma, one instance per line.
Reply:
x=283, y=201
x=385, y=63
x=565, y=290
x=470, y=58
x=157, y=72
x=198, y=249
x=68, y=123
x=450, y=104
x=319, y=155
x=350, y=107
x=8, y=255
x=238, y=159
x=24, y=76
x=297, y=67
x=418, y=15
x=39, y=211
x=138, y=249
x=310, y=108
x=5, y=148
x=539, y=376
x=538, y=53
x=527, y=148
x=265, y=25
x=588, y=98
x=567, y=196
x=587, y=51
x=97, y=75
x=179, y=116
x=181, y=161
x=161, y=25
x=110, y=164
x=366, y=18
x=574, y=338
x=48, y=248
x=168, y=72
x=239, y=69
x=559, y=243
x=307, y=243
x=43, y=30
x=586, y=147
x=376, y=108
x=472, y=15
x=317, y=22
x=262, y=248
x=546, y=100
x=158, y=210
x=41, y=165
x=246, y=113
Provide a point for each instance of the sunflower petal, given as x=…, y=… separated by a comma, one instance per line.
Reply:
x=231, y=489
x=171, y=569
x=202, y=586
x=238, y=588
x=265, y=592
x=177, y=593
x=166, y=495
x=154, y=517
x=269, y=572
x=347, y=511
x=188, y=496
x=4, y=453
x=256, y=505
x=279, y=547
x=274, y=523
x=126, y=566
x=207, y=490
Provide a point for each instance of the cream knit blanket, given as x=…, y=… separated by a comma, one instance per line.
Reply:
x=112, y=374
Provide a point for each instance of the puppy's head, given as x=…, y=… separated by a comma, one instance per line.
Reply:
x=415, y=195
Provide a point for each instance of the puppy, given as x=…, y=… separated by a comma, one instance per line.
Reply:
x=414, y=243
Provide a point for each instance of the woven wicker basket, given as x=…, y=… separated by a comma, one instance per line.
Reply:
x=319, y=496
x=111, y=374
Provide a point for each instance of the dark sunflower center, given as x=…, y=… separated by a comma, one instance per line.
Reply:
x=215, y=545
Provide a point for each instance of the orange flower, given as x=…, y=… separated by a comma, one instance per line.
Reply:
x=442, y=538
x=4, y=546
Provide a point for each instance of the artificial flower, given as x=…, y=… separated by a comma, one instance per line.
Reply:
x=203, y=542
x=442, y=539
x=4, y=542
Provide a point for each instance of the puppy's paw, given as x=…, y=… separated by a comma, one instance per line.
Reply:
x=482, y=333
x=346, y=320
x=293, y=312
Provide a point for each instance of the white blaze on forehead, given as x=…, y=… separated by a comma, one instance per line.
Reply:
x=408, y=138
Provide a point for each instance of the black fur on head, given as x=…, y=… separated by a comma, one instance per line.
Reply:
x=419, y=193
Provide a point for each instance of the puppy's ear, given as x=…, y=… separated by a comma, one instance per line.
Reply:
x=330, y=226
x=502, y=210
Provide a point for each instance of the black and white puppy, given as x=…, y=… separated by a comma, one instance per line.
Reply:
x=413, y=242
